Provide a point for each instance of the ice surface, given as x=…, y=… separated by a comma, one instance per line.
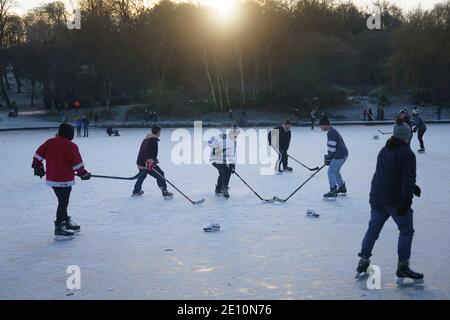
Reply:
x=150, y=248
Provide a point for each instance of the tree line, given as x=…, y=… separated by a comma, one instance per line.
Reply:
x=180, y=57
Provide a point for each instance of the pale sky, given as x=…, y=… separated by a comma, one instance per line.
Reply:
x=23, y=5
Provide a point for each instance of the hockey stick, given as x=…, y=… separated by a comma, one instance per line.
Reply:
x=284, y=200
x=189, y=199
x=117, y=178
x=310, y=169
x=306, y=167
x=256, y=193
x=384, y=132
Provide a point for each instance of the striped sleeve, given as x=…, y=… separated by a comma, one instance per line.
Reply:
x=41, y=152
x=332, y=144
x=77, y=162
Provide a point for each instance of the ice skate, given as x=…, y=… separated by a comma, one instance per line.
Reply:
x=61, y=232
x=166, y=194
x=213, y=227
x=137, y=194
x=288, y=169
x=421, y=150
x=361, y=269
x=72, y=226
x=218, y=191
x=225, y=192
x=332, y=195
x=342, y=191
x=405, y=276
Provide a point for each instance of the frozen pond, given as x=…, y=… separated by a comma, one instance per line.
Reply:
x=149, y=248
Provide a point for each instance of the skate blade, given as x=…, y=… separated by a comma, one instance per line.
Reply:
x=168, y=198
x=407, y=282
x=342, y=194
x=137, y=195
x=361, y=275
x=76, y=231
x=329, y=198
x=211, y=230
x=198, y=201
x=64, y=238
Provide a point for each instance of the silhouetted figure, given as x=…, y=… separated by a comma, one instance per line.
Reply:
x=78, y=125
x=112, y=132
x=85, y=122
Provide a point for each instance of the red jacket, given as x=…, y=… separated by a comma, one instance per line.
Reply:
x=62, y=160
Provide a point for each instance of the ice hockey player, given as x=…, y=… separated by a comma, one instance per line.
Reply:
x=335, y=159
x=392, y=189
x=147, y=163
x=223, y=158
x=279, y=139
x=403, y=115
x=62, y=161
x=420, y=127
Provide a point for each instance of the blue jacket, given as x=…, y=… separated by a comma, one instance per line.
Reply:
x=395, y=176
x=336, y=145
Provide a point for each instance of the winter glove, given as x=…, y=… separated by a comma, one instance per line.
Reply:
x=38, y=168
x=151, y=164
x=83, y=174
x=232, y=167
x=86, y=176
x=327, y=160
x=417, y=191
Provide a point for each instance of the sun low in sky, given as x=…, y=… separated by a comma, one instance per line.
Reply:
x=224, y=10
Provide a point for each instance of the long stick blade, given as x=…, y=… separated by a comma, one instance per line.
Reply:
x=198, y=202
x=278, y=199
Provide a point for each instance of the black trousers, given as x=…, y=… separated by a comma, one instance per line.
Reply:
x=85, y=131
x=420, y=134
x=225, y=171
x=282, y=161
x=63, y=195
x=143, y=174
x=78, y=131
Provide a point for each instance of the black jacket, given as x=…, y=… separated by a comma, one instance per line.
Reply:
x=395, y=176
x=284, y=138
x=148, y=150
x=418, y=123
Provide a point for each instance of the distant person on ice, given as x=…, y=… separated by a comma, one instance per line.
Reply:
x=391, y=195
x=313, y=119
x=62, y=160
x=223, y=158
x=420, y=127
x=85, y=122
x=279, y=139
x=335, y=159
x=147, y=163
x=78, y=125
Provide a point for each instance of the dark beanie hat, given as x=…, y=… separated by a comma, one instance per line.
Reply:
x=324, y=121
x=66, y=130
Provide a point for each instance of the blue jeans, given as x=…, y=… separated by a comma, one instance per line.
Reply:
x=404, y=223
x=334, y=173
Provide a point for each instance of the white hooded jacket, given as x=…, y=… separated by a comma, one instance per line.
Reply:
x=223, y=148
